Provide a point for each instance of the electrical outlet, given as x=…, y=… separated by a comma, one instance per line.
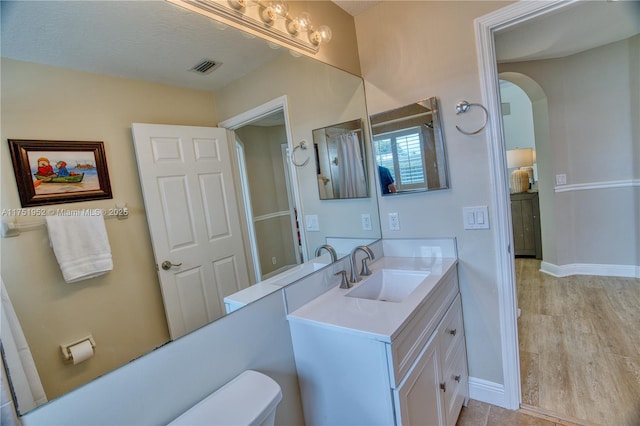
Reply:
x=394, y=222
x=366, y=221
x=274, y=260
x=561, y=179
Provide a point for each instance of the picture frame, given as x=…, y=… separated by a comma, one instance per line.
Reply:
x=56, y=172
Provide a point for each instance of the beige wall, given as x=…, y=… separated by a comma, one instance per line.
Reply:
x=428, y=49
x=122, y=309
x=592, y=111
x=342, y=50
x=318, y=95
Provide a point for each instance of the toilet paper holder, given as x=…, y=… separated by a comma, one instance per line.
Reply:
x=66, y=349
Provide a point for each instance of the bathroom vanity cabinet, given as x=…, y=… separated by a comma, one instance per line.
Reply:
x=416, y=374
x=435, y=388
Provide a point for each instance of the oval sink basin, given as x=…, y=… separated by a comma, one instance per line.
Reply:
x=388, y=285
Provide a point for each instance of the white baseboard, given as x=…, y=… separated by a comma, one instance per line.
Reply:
x=488, y=392
x=628, y=271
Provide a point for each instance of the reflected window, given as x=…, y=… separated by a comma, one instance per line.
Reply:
x=410, y=149
x=401, y=153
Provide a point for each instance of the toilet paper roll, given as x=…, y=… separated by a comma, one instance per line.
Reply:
x=81, y=351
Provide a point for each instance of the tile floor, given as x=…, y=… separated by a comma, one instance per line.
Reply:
x=480, y=414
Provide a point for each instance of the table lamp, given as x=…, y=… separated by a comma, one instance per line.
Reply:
x=522, y=160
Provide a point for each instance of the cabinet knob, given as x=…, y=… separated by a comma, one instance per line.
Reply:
x=457, y=378
x=443, y=386
x=453, y=332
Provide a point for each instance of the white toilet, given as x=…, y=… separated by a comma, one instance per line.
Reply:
x=249, y=399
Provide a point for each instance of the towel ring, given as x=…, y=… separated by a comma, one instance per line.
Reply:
x=464, y=106
x=303, y=146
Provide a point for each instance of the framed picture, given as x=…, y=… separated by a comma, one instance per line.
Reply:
x=54, y=172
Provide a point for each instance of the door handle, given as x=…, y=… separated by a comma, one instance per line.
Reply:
x=166, y=265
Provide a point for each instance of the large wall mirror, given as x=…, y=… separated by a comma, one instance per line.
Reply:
x=410, y=148
x=56, y=57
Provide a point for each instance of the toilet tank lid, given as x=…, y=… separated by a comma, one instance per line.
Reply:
x=246, y=400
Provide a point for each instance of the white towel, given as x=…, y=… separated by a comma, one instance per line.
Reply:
x=80, y=244
x=25, y=380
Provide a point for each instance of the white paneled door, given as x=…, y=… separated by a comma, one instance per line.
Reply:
x=191, y=208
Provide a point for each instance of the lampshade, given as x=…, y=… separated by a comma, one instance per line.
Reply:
x=522, y=160
x=520, y=157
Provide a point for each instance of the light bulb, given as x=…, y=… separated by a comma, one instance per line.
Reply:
x=281, y=8
x=268, y=14
x=293, y=27
x=315, y=38
x=325, y=33
x=304, y=20
x=238, y=4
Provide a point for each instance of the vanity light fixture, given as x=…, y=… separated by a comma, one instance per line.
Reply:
x=268, y=17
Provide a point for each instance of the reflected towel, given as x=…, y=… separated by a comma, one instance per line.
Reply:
x=25, y=380
x=80, y=244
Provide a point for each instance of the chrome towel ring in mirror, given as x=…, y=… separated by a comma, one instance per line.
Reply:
x=464, y=106
x=303, y=146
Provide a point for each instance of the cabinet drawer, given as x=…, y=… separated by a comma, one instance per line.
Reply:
x=455, y=378
x=451, y=330
x=408, y=344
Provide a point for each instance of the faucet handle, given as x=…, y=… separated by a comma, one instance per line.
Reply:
x=365, y=267
x=344, y=282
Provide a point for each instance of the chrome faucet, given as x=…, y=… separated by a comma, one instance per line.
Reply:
x=328, y=248
x=344, y=282
x=355, y=277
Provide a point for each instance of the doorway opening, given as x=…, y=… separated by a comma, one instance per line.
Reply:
x=266, y=189
x=525, y=122
x=567, y=262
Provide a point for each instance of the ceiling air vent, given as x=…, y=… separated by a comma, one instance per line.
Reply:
x=205, y=66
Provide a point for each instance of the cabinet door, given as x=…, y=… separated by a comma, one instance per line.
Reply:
x=524, y=216
x=455, y=381
x=523, y=236
x=419, y=396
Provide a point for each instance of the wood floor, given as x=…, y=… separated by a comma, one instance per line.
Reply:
x=579, y=342
x=478, y=413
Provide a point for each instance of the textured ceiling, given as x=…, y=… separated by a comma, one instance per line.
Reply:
x=356, y=7
x=581, y=26
x=158, y=41
x=149, y=40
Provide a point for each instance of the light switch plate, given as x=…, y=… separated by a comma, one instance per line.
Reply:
x=312, y=222
x=476, y=217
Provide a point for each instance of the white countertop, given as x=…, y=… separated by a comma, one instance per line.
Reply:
x=379, y=320
x=263, y=288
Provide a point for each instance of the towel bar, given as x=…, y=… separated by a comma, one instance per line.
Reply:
x=9, y=228
x=464, y=106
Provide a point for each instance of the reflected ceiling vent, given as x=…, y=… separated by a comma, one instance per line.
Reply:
x=205, y=66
